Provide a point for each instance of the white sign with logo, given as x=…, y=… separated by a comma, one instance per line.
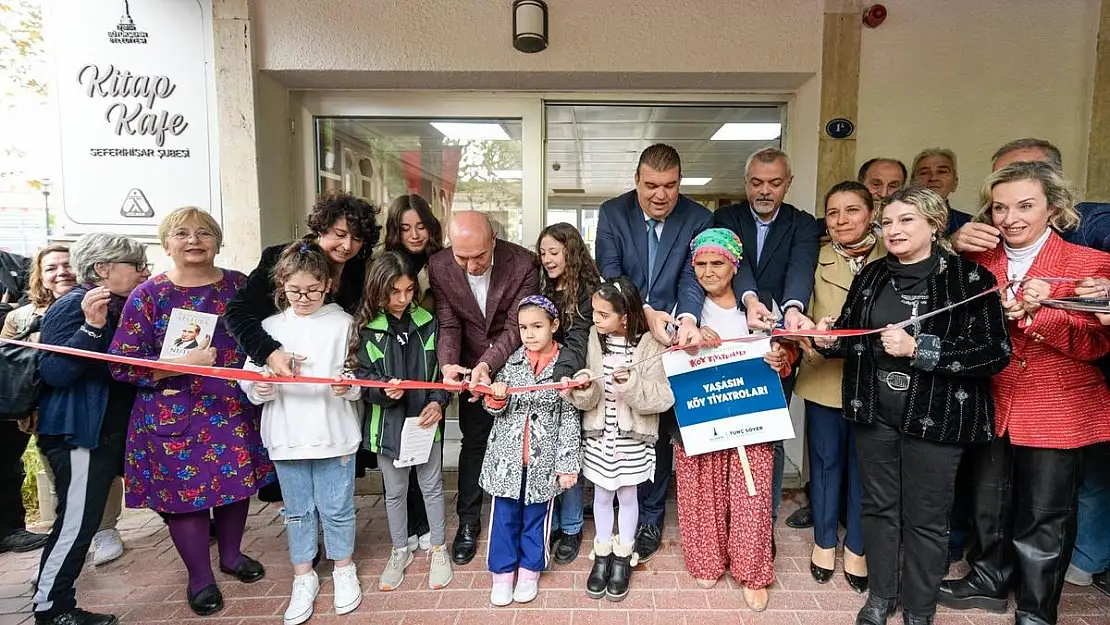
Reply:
x=135, y=91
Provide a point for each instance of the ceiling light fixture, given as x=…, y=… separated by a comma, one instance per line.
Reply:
x=467, y=131
x=695, y=182
x=529, y=25
x=748, y=131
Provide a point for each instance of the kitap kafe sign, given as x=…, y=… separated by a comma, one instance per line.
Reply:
x=135, y=92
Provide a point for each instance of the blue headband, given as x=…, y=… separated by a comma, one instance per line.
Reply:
x=540, y=301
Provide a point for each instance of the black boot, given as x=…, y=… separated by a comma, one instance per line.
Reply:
x=876, y=611
x=620, y=571
x=973, y=591
x=569, y=546
x=599, y=575
x=913, y=619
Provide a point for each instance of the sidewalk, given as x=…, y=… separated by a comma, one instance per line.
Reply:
x=147, y=585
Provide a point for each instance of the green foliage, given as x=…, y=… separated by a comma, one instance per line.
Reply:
x=477, y=181
x=32, y=464
x=21, y=47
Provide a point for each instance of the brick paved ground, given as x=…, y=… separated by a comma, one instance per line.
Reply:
x=146, y=585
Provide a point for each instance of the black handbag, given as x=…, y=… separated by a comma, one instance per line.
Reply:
x=20, y=383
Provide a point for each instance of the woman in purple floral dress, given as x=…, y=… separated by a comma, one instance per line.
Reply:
x=193, y=443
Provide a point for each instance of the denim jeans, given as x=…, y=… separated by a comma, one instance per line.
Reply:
x=323, y=488
x=1092, y=542
x=568, y=509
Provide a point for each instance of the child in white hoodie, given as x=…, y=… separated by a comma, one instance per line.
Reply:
x=312, y=431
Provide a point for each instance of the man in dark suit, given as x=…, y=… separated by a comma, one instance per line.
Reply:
x=645, y=236
x=776, y=275
x=478, y=283
x=935, y=169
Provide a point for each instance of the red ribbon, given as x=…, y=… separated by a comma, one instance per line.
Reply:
x=241, y=375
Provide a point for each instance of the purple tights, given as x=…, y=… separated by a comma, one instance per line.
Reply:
x=189, y=532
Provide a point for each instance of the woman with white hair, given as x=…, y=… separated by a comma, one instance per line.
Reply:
x=83, y=415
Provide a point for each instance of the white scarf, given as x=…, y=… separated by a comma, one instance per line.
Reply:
x=1020, y=260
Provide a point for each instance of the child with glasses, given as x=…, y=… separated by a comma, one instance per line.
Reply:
x=312, y=431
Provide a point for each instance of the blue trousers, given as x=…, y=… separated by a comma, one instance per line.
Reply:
x=518, y=533
x=569, y=513
x=832, y=458
x=652, y=494
x=1092, y=542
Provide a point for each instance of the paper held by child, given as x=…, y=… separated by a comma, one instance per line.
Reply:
x=187, y=330
x=416, y=443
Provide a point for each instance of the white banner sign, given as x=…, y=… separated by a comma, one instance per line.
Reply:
x=726, y=397
x=135, y=90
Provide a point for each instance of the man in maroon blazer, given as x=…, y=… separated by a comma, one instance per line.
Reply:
x=478, y=283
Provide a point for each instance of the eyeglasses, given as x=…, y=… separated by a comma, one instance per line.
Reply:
x=311, y=295
x=141, y=267
x=185, y=235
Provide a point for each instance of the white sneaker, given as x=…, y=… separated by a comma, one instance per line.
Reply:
x=423, y=542
x=501, y=594
x=440, y=572
x=107, y=546
x=527, y=586
x=305, y=588
x=348, y=592
x=394, y=572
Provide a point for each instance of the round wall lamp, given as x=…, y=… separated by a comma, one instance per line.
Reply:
x=529, y=25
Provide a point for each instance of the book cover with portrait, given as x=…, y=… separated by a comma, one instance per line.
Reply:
x=187, y=330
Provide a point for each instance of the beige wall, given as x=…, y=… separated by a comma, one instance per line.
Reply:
x=275, y=146
x=971, y=76
x=596, y=45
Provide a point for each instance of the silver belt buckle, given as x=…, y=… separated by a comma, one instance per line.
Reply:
x=896, y=380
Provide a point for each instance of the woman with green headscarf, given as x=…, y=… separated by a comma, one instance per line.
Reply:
x=724, y=497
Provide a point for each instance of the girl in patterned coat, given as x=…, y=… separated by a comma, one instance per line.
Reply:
x=620, y=425
x=533, y=454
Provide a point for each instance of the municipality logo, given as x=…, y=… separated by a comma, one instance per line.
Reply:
x=136, y=206
x=126, y=31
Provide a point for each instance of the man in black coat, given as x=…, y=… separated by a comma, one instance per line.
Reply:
x=781, y=243
x=14, y=273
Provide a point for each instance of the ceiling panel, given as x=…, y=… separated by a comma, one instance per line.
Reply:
x=597, y=147
x=611, y=131
x=702, y=114
x=611, y=114
x=560, y=131
x=562, y=145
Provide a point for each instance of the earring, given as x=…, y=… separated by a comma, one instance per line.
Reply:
x=934, y=237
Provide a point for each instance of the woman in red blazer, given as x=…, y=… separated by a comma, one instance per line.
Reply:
x=1050, y=402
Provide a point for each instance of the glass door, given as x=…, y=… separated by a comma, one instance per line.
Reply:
x=459, y=151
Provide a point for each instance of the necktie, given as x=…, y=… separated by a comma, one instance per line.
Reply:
x=760, y=238
x=653, y=249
